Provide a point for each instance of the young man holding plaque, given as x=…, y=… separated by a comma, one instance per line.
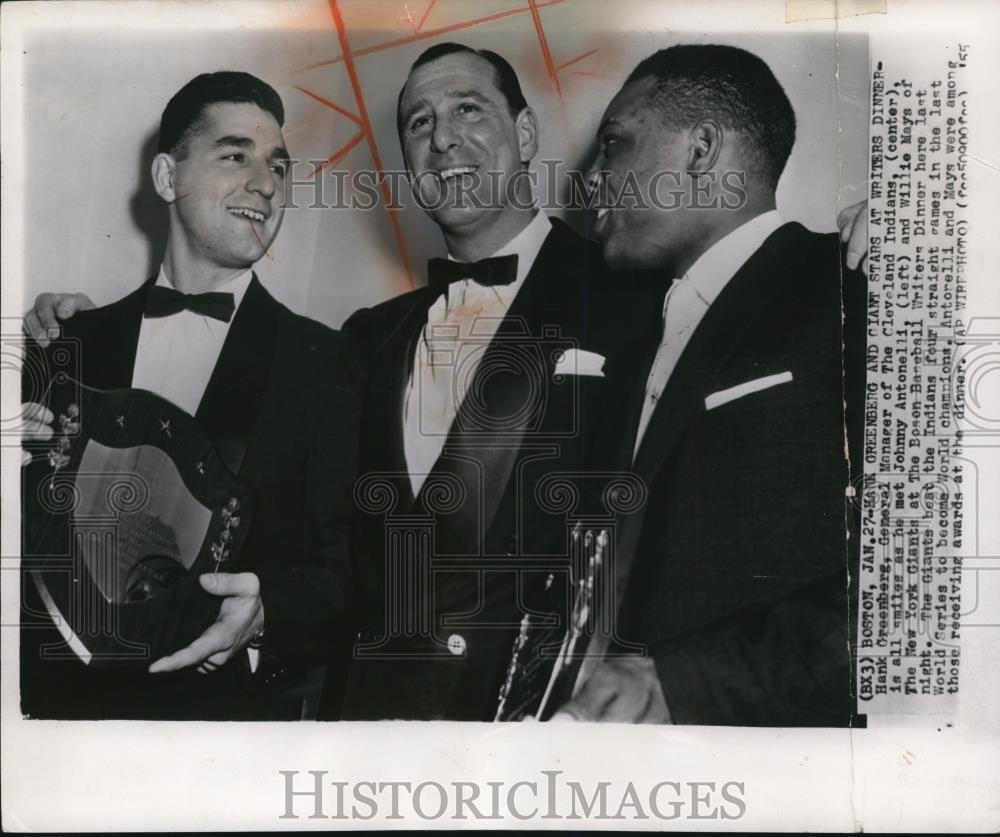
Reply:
x=272, y=392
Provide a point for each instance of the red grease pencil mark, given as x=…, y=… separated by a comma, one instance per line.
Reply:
x=181, y=197
x=433, y=33
x=352, y=73
x=256, y=235
x=572, y=61
x=417, y=26
x=423, y=20
x=329, y=104
x=544, y=44
x=333, y=158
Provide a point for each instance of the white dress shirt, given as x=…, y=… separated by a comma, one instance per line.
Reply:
x=689, y=297
x=460, y=325
x=176, y=355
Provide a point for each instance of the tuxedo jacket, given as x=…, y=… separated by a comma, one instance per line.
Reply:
x=741, y=563
x=282, y=410
x=448, y=574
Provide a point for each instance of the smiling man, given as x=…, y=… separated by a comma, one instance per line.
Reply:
x=468, y=135
x=263, y=383
x=465, y=413
x=741, y=561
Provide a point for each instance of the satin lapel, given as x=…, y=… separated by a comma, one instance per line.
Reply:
x=724, y=324
x=229, y=408
x=637, y=334
x=485, y=441
x=110, y=340
x=388, y=379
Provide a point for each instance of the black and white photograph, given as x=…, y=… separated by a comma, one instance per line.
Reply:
x=383, y=379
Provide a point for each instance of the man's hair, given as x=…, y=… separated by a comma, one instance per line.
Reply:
x=183, y=114
x=733, y=87
x=506, y=78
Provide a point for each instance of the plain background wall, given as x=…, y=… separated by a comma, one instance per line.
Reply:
x=93, y=98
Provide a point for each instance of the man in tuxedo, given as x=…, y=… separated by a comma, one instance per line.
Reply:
x=736, y=578
x=271, y=390
x=481, y=393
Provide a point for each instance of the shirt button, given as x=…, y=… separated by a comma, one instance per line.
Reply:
x=457, y=645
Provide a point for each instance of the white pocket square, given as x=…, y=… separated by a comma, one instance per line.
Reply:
x=580, y=362
x=724, y=396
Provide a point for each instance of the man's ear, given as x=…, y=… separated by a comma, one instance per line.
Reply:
x=527, y=134
x=163, y=176
x=705, y=146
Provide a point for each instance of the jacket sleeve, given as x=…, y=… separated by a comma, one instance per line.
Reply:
x=307, y=601
x=786, y=663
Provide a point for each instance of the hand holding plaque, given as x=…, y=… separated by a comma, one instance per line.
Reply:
x=241, y=618
x=124, y=509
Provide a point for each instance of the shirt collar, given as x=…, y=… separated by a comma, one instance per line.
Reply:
x=526, y=245
x=720, y=262
x=237, y=286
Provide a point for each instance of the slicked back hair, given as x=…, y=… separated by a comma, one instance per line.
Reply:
x=732, y=86
x=184, y=112
x=506, y=78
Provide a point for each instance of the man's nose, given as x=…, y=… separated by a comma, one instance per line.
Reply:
x=261, y=179
x=444, y=137
x=595, y=176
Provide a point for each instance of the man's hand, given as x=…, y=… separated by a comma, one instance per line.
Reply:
x=36, y=426
x=622, y=689
x=853, y=223
x=42, y=321
x=240, y=618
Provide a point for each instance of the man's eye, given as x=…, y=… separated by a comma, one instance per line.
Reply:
x=236, y=157
x=468, y=108
x=419, y=123
x=280, y=169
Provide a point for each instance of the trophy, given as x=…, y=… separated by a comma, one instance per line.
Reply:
x=546, y=659
x=120, y=515
x=552, y=649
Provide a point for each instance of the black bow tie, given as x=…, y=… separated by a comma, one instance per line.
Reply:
x=162, y=302
x=499, y=270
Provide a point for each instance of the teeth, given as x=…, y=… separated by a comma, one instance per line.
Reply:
x=252, y=214
x=457, y=171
